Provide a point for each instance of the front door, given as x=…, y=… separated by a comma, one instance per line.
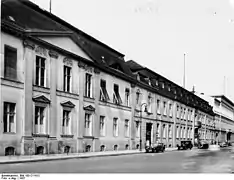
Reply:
x=148, y=133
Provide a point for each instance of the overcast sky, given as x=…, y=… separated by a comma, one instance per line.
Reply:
x=157, y=33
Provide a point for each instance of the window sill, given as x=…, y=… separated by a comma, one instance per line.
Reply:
x=41, y=135
x=10, y=133
x=158, y=113
x=89, y=137
x=12, y=83
x=41, y=89
x=89, y=99
x=67, y=94
x=115, y=105
x=66, y=136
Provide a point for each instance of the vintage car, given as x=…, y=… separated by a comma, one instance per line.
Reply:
x=203, y=146
x=159, y=147
x=184, y=145
x=224, y=144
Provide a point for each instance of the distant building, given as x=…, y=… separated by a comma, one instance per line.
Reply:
x=224, y=117
x=63, y=91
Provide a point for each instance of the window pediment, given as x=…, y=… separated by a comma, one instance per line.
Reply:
x=89, y=108
x=41, y=99
x=68, y=104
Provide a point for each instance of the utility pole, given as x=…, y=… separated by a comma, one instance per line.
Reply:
x=224, y=86
x=50, y=6
x=184, y=72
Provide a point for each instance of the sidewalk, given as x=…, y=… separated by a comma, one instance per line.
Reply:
x=35, y=158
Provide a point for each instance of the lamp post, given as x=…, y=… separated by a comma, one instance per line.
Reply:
x=141, y=125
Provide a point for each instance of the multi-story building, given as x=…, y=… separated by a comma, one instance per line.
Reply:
x=224, y=117
x=167, y=112
x=64, y=91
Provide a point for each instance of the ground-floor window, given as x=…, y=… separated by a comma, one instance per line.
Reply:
x=126, y=147
x=9, y=151
x=137, y=146
x=115, y=147
x=102, y=148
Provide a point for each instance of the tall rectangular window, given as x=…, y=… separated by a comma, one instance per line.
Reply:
x=164, y=131
x=181, y=113
x=116, y=96
x=181, y=132
x=184, y=113
x=170, y=131
x=184, y=133
x=170, y=110
x=9, y=117
x=177, y=131
x=149, y=107
x=126, y=128
x=158, y=130
x=40, y=120
x=40, y=71
x=115, y=126
x=103, y=92
x=127, y=97
x=102, y=126
x=88, y=85
x=10, y=62
x=137, y=97
x=165, y=108
x=88, y=124
x=137, y=129
x=158, y=106
x=177, y=112
x=67, y=79
x=66, y=123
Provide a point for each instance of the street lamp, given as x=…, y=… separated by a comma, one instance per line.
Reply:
x=141, y=126
x=141, y=122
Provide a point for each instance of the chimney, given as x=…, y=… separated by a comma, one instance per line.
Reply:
x=193, y=90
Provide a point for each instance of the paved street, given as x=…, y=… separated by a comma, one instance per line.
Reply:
x=168, y=162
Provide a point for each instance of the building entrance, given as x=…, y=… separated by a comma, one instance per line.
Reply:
x=148, y=133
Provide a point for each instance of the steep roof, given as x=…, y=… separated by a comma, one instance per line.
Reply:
x=31, y=18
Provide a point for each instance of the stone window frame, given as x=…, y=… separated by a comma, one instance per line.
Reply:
x=102, y=126
x=15, y=76
x=115, y=127
x=8, y=114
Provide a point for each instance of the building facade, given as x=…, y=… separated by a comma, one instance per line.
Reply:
x=62, y=91
x=224, y=117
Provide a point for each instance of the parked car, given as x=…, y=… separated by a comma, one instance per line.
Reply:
x=223, y=144
x=159, y=147
x=184, y=145
x=204, y=146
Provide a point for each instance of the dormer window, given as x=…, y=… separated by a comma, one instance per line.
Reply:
x=156, y=82
x=169, y=88
x=163, y=85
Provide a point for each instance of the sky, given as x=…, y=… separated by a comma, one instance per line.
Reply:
x=157, y=34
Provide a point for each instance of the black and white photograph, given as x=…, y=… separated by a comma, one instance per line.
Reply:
x=116, y=86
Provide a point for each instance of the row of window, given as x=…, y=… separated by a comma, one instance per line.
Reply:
x=10, y=72
x=40, y=121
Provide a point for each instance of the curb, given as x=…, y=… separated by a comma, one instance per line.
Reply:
x=65, y=158
x=72, y=157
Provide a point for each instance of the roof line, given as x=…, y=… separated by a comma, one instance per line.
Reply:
x=64, y=23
